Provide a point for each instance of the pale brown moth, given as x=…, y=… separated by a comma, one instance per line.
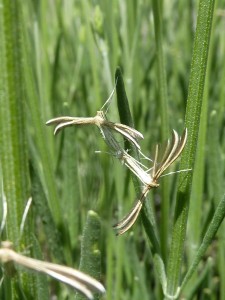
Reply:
x=81, y=282
x=101, y=122
x=172, y=152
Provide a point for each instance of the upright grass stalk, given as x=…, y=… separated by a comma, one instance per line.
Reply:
x=195, y=211
x=163, y=102
x=193, y=111
x=198, y=176
x=14, y=159
x=13, y=143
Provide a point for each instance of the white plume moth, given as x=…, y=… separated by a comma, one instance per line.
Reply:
x=150, y=180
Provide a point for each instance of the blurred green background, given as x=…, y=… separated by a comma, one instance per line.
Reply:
x=60, y=58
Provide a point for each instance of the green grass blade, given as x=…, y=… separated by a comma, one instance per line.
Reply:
x=13, y=140
x=164, y=119
x=207, y=240
x=90, y=262
x=40, y=138
x=198, y=281
x=14, y=158
x=196, y=88
x=161, y=69
x=42, y=289
x=42, y=211
x=125, y=117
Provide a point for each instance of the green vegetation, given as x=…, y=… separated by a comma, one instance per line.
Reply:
x=61, y=58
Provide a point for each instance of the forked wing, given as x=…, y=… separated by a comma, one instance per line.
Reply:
x=126, y=223
x=172, y=152
x=58, y=120
x=63, y=122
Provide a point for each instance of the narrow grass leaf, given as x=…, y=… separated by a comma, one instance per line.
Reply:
x=164, y=117
x=13, y=139
x=90, y=262
x=193, y=111
x=207, y=240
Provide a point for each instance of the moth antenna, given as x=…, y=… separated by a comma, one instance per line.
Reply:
x=145, y=157
x=175, y=172
x=108, y=101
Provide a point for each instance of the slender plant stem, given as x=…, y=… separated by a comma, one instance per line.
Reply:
x=193, y=111
x=163, y=102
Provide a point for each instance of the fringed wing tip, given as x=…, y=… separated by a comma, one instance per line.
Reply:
x=59, y=120
x=49, y=122
x=54, y=121
x=61, y=125
x=127, y=222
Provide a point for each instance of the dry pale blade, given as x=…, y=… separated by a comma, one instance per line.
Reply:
x=78, y=280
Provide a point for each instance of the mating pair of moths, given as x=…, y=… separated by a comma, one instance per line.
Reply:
x=149, y=178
